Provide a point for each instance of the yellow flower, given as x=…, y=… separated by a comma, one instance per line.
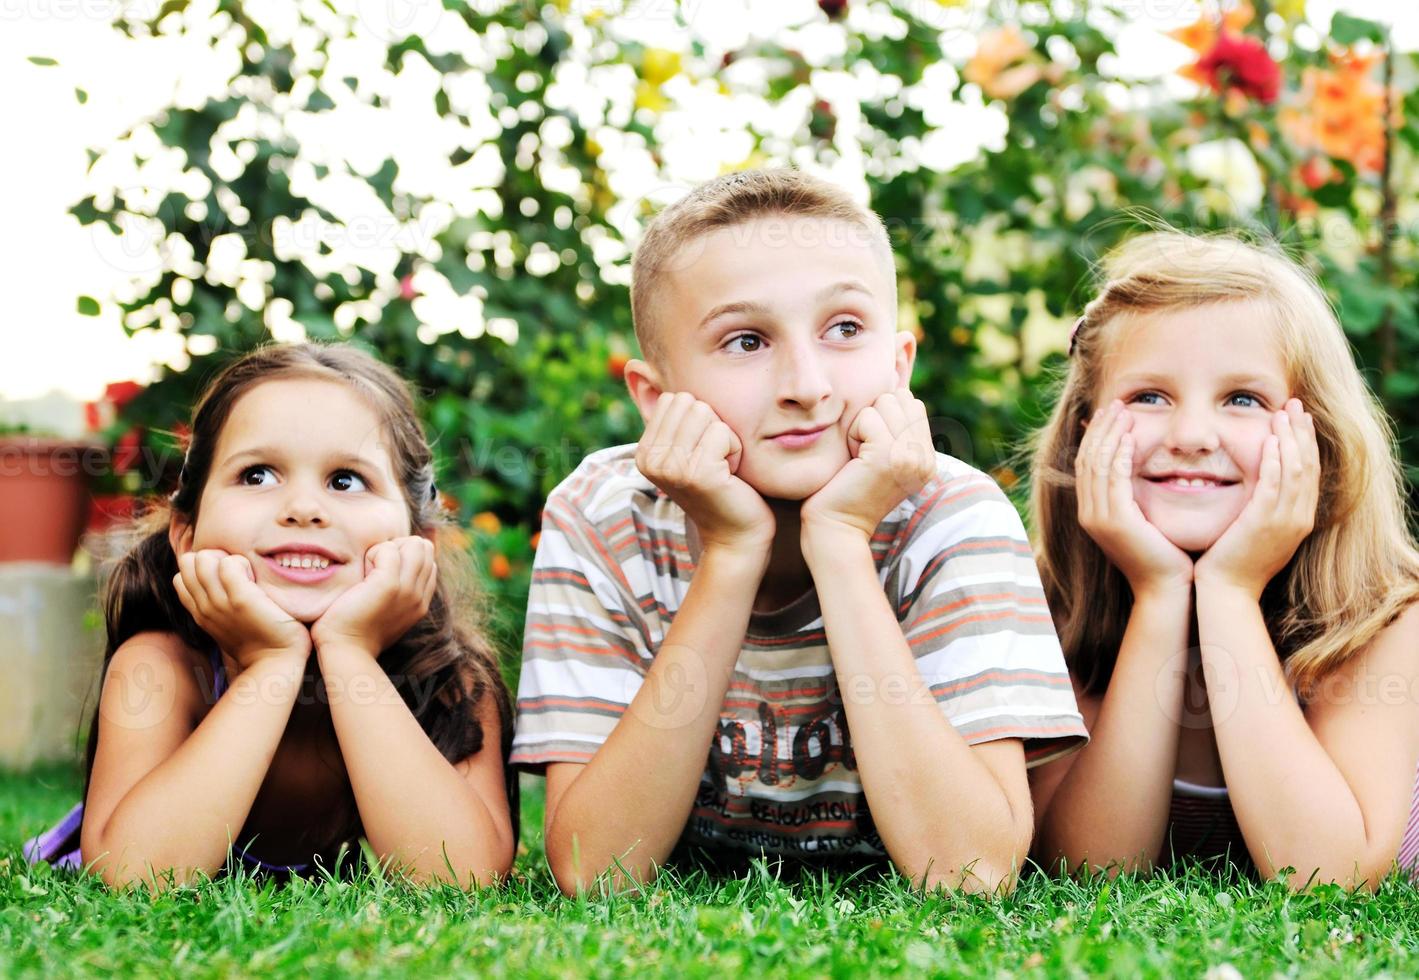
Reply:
x=649, y=97
x=754, y=161
x=658, y=65
x=487, y=522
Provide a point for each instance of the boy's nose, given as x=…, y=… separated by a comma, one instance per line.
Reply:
x=803, y=379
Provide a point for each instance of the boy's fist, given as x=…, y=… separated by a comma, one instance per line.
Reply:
x=688, y=452
x=893, y=458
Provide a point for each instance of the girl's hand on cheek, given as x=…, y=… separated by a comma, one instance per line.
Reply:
x=400, y=578
x=1281, y=512
x=221, y=593
x=1109, y=514
x=895, y=458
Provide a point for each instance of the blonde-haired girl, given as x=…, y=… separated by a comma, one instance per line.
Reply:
x=1223, y=545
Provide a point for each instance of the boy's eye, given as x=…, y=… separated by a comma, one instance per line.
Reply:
x=256, y=476
x=748, y=343
x=347, y=480
x=851, y=328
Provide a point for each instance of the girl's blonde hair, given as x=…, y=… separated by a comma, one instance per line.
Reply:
x=1355, y=572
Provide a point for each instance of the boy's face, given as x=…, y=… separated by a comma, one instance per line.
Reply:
x=786, y=327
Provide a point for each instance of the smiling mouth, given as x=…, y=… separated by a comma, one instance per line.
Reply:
x=1190, y=482
x=303, y=567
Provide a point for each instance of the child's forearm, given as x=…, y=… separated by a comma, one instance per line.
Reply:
x=943, y=816
x=417, y=810
x=187, y=811
x=1111, y=809
x=1293, y=804
x=629, y=805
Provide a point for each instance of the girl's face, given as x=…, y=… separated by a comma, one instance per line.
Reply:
x=1202, y=385
x=302, y=485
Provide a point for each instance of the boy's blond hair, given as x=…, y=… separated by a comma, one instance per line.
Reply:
x=724, y=202
x=1355, y=572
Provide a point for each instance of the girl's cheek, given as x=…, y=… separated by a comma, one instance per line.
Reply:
x=1148, y=432
x=1247, y=450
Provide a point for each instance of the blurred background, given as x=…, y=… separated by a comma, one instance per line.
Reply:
x=459, y=188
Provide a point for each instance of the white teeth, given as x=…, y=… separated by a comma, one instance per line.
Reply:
x=302, y=561
x=1193, y=482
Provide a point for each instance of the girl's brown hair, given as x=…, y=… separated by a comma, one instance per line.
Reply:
x=1355, y=572
x=443, y=667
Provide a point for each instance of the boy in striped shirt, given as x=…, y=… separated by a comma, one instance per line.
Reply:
x=782, y=623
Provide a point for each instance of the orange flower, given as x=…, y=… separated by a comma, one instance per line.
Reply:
x=1201, y=35
x=500, y=567
x=488, y=522
x=536, y=539
x=1005, y=64
x=1340, y=112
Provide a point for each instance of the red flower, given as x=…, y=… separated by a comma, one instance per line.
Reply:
x=616, y=365
x=1241, y=63
x=120, y=393
x=127, y=451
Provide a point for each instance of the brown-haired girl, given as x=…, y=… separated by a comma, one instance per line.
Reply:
x=305, y=522
x=1223, y=545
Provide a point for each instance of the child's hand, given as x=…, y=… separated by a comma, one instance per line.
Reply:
x=1281, y=512
x=893, y=459
x=688, y=452
x=221, y=593
x=400, y=578
x=1108, y=513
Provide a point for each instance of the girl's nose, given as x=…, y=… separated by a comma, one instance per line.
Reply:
x=1192, y=430
x=302, y=506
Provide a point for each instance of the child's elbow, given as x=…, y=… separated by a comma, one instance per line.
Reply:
x=1356, y=876
x=574, y=877
x=978, y=878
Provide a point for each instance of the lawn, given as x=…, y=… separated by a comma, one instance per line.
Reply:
x=791, y=924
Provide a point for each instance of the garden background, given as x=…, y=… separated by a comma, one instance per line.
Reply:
x=459, y=189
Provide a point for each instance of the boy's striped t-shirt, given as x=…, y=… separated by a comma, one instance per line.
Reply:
x=613, y=565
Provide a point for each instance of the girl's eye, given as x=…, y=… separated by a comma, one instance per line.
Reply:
x=252, y=476
x=753, y=342
x=347, y=480
x=1247, y=399
x=851, y=328
x=1147, y=398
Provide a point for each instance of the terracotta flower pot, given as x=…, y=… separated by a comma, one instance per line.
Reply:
x=44, y=497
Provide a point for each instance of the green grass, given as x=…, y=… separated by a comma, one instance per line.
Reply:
x=793, y=924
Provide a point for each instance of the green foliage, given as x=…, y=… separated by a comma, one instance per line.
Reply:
x=994, y=254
